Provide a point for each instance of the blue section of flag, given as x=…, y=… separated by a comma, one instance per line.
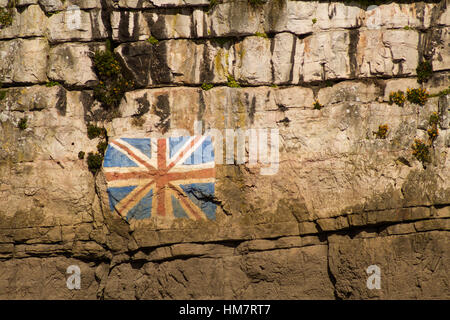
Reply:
x=175, y=144
x=143, y=209
x=203, y=154
x=115, y=158
x=198, y=191
x=178, y=210
x=116, y=194
x=142, y=145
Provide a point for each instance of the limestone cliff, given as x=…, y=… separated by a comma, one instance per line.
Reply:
x=350, y=98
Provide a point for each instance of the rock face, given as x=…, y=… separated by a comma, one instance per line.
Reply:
x=243, y=154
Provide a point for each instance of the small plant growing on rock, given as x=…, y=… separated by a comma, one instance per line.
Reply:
x=112, y=85
x=441, y=93
x=6, y=17
x=81, y=155
x=95, y=132
x=261, y=34
x=206, y=86
x=101, y=147
x=232, y=83
x=317, y=105
x=2, y=93
x=222, y=40
x=49, y=14
x=314, y=20
x=212, y=4
x=418, y=96
x=397, y=97
x=106, y=64
x=111, y=92
x=382, y=131
x=421, y=151
x=424, y=71
x=94, y=162
x=434, y=118
x=50, y=84
x=152, y=40
x=433, y=131
x=23, y=123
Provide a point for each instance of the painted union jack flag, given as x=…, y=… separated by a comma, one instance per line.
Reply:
x=167, y=177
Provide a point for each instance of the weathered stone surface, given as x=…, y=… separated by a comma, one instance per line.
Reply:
x=387, y=53
x=33, y=98
x=32, y=22
x=252, y=276
x=72, y=63
x=441, y=59
x=239, y=18
x=70, y=26
x=138, y=4
x=397, y=16
x=349, y=91
x=284, y=59
x=61, y=5
x=37, y=278
x=25, y=2
x=129, y=26
x=412, y=266
x=23, y=60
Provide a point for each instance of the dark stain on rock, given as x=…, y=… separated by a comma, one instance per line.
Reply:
x=284, y=121
x=202, y=105
x=162, y=110
x=251, y=113
x=106, y=16
x=136, y=27
x=400, y=67
x=158, y=27
x=86, y=100
x=61, y=104
x=352, y=51
x=292, y=60
x=94, y=16
x=159, y=70
x=332, y=13
x=142, y=60
x=144, y=105
x=282, y=107
x=206, y=69
x=123, y=25
x=380, y=84
x=193, y=22
x=274, y=11
x=432, y=35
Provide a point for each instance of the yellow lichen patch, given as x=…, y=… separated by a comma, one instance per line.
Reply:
x=242, y=114
x=221, y=63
